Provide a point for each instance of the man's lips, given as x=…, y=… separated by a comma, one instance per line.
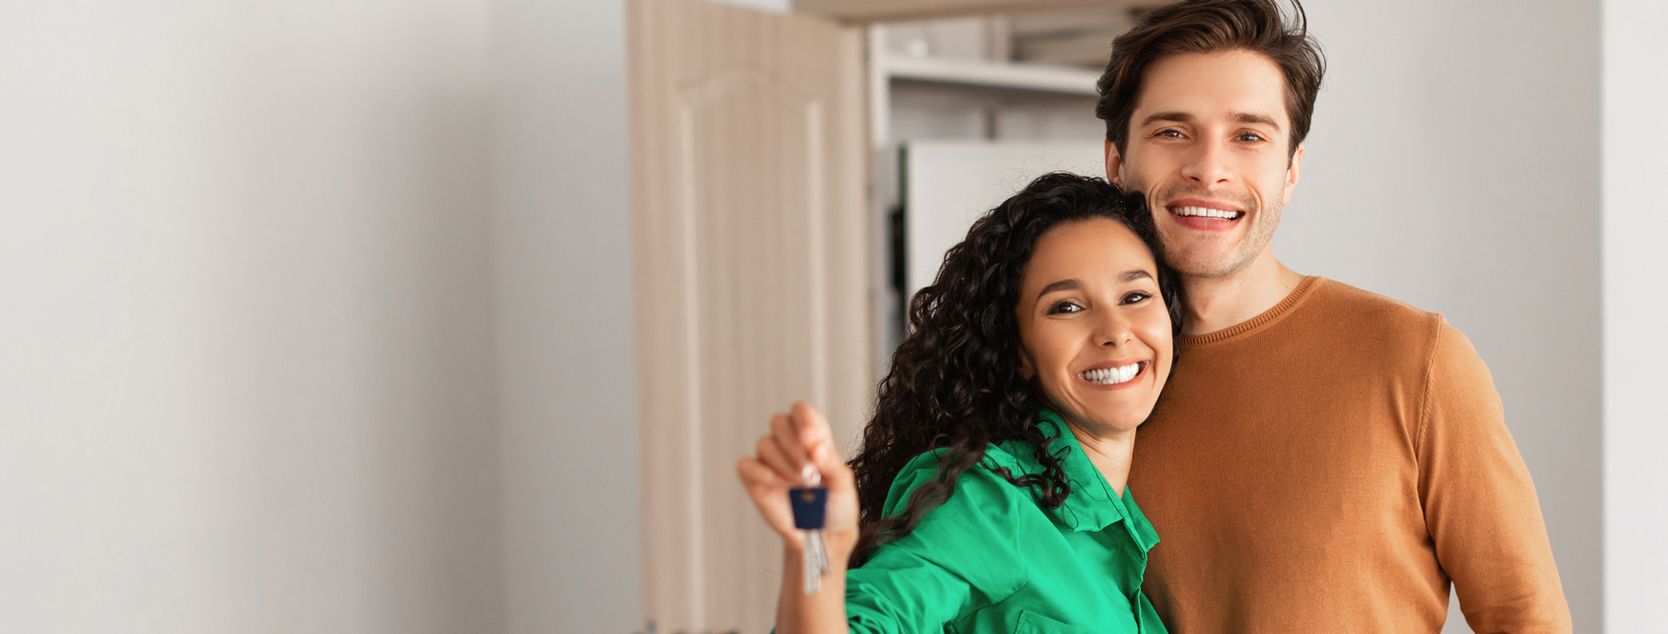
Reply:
x=1204, y=214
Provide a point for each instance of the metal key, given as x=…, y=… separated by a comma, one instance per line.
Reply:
x=810, y=504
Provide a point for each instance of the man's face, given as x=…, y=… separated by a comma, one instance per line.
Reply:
x=1208, y=144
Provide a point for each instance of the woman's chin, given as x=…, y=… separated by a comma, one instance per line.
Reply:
x=1110, y=420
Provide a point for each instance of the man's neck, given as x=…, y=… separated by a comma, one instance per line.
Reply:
x=1217, y=303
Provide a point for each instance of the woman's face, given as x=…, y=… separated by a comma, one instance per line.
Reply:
x=1093, y=328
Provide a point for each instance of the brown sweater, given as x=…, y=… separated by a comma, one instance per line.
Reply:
x=1329, y=466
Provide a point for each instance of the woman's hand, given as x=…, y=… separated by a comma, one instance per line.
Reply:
x=797, y=439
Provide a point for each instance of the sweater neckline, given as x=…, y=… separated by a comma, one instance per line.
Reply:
x=1304, y=290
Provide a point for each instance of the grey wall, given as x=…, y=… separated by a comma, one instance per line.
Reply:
x=566, y=366
x=1635, y=312
x=1454, y=164
x=316, y=317
x=244, y=334
x=566, y=374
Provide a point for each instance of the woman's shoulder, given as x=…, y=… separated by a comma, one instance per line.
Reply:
x=987, y=481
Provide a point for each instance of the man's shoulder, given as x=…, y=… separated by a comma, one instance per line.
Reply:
x=1359, y=308
x=1390, y=332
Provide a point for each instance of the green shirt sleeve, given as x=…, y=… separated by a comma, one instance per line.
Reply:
x=960, y=558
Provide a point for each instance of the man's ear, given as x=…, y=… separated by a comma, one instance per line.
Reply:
x=1114, y=165
x=1294, y=170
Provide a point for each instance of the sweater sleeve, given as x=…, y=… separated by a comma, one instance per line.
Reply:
x=960, y=558
x=1480, y=504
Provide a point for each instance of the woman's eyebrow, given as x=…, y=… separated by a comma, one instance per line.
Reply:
x=1071, y=284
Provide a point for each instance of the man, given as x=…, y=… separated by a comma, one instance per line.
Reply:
x=1324, y=459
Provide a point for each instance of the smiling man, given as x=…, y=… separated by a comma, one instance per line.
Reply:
x=1325, y=459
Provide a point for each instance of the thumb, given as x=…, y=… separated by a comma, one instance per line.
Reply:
x=835, y=473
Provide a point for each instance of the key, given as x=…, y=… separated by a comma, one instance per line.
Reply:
x=810, y=504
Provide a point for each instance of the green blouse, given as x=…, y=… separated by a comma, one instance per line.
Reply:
x=993, y=559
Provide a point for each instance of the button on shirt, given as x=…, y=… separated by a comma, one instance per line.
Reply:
x=992, y=558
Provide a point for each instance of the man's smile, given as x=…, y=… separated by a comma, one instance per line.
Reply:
x=1204, y=214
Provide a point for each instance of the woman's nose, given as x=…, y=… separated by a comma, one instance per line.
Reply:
x=1113, y=331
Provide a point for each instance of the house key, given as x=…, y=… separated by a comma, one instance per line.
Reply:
x=810, y=504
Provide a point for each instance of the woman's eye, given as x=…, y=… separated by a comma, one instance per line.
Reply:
x=1064, y=307
x=1137, y=297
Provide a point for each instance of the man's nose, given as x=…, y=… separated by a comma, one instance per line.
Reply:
x=1207, y=164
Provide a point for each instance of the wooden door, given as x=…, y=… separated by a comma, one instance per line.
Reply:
x=749, y=172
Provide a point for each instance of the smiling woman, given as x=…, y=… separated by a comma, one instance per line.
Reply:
x=996, y=459
x=1095, y=334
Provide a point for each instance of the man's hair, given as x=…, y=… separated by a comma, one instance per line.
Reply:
x=1210, y=26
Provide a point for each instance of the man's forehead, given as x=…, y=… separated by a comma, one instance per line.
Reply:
x=1230, y=85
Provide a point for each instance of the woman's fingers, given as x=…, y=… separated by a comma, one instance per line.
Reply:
x=812, y=429
x=771, y=454
x=835, y=473
x=785, y=430
x=757, y=475
x=761, y=481
x=768, y=491
x=813, y=433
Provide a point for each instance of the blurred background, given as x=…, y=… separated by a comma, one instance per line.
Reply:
x=454, y=315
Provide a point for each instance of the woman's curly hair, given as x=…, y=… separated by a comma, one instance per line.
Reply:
x=955, y=381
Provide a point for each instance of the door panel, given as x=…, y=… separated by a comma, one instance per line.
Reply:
x=749, y=175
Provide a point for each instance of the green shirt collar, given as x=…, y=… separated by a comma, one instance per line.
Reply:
x=1092, y=505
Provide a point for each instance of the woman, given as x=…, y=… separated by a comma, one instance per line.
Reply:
x=989, y=493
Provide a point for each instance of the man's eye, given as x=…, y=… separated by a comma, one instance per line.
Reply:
x=1169, y=133
x=1064, y=307
x=1137, y=297
x=1250, y=137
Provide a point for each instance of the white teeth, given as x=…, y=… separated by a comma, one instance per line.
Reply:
x=1111, y=376
x=1207, y=212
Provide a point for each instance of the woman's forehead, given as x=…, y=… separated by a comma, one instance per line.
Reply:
x=1088, y=248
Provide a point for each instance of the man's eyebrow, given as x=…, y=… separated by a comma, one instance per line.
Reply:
x=1062, y=285
x=1252, y=117
x=1178, y=117
x=1183, y=117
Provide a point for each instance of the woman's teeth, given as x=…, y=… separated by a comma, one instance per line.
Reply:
x=1208, y=212
x=1111, y=376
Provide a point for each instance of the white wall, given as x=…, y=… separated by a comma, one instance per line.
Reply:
x=244, y=318
x=567, y=376
x=566, y=367
x=316, y=317
x=1635, y=311
x=1454, y=164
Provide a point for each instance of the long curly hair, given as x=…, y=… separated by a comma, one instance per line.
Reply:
x=955, y=381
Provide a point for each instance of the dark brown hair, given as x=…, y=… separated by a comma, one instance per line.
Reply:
x=1209, y=26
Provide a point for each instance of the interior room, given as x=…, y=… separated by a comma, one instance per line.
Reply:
x=456, y=315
